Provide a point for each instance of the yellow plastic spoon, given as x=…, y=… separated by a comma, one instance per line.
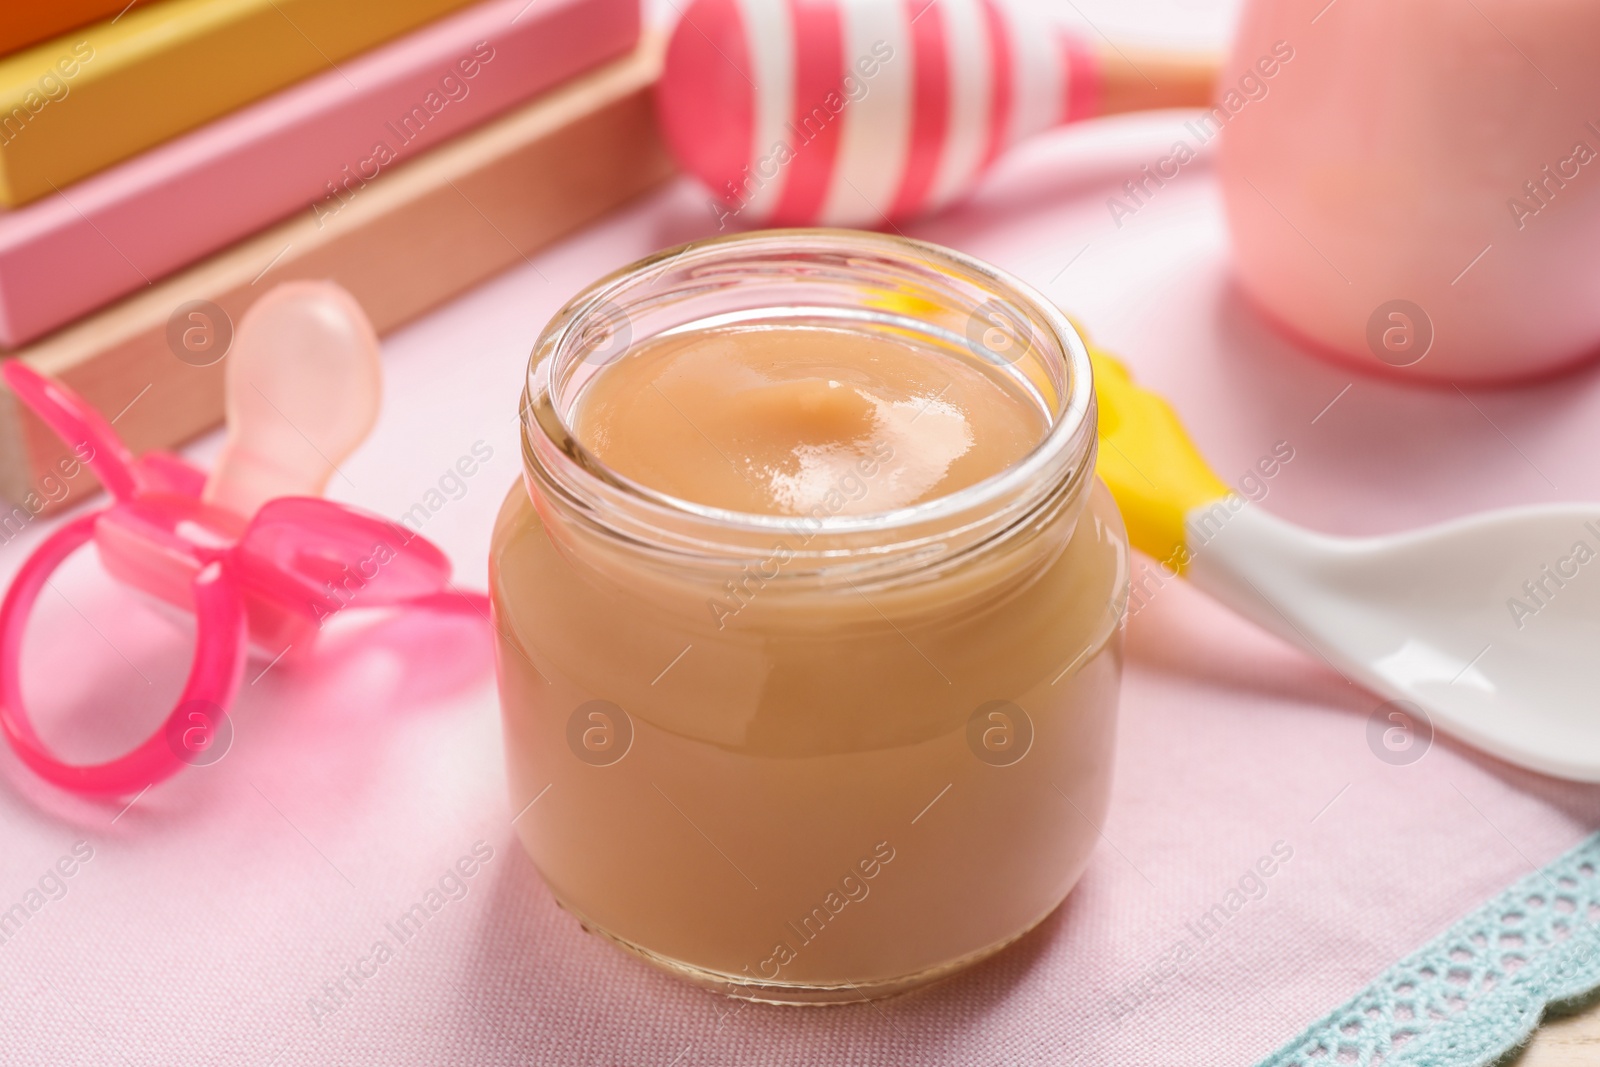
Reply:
x=1489, y=623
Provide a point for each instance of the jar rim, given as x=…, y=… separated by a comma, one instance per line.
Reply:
x=550, y=441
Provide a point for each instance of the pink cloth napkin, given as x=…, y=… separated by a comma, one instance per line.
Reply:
x=233, y=915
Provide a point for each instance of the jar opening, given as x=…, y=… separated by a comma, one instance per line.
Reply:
x=833, y=278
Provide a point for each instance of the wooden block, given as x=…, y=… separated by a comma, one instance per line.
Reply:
x=1565, y=1041
x=99, y=94
x=409, y=240
x=22, y=24
x=73, y=252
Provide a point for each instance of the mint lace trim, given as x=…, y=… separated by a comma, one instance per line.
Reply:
x=1477, y=991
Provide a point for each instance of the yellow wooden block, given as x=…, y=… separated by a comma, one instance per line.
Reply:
x=22, y=24
x=93, y=97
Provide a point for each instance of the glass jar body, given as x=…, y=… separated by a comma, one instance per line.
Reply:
x=803, y=796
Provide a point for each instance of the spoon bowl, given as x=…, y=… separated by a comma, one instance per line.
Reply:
x=1488, y=623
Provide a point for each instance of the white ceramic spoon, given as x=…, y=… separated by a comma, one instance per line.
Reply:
x=1489, y=623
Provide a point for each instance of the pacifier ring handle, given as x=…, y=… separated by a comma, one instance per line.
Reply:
x=82, y=428
x=214, y=674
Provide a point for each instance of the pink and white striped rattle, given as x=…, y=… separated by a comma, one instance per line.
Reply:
x=852, y=112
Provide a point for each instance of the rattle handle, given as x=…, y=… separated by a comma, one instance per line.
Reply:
x=1134, y=79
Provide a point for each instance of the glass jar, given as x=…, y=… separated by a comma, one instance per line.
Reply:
x=814, y=758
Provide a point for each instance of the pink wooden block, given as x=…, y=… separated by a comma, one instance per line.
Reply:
x=308, y=148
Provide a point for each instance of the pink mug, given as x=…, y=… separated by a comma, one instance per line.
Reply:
x=1417, y=190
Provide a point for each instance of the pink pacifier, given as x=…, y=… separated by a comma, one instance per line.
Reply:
x=251, y=550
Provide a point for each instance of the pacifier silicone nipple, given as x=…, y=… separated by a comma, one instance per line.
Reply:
x=303, y=387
